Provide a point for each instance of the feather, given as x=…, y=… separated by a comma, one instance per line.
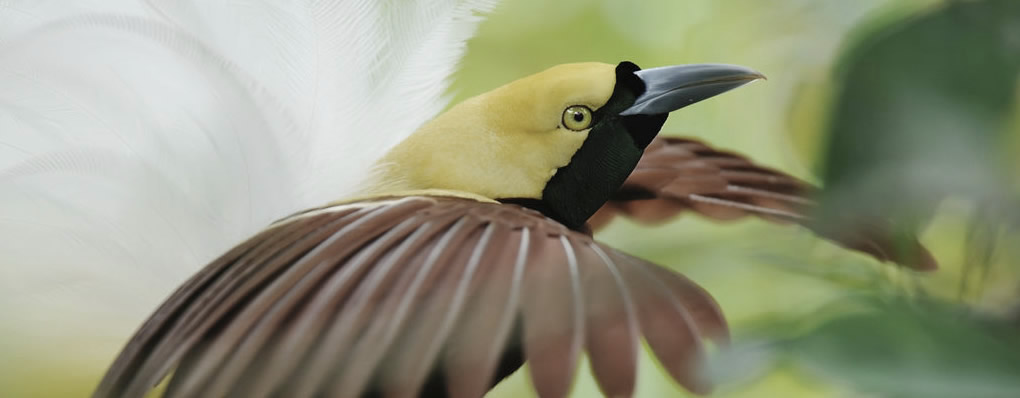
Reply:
x=553, y=317
x=470, y=366
x=381, y=298
x=139, y=139
x=612, y=326
x=679, y=174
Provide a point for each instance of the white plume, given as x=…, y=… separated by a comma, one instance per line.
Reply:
x=139, y=139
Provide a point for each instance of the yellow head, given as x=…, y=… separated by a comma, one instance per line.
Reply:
x=508, y=142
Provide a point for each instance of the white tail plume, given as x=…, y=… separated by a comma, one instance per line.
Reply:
x=139, y=139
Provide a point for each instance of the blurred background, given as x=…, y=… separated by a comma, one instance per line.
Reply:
x=904, y=109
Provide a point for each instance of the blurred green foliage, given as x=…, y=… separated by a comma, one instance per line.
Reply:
x=922, y=113
x=887, y=347
x=811, y=319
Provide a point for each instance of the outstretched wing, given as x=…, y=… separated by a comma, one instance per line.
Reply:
x=678, y=174
x=139, y=139
x=405, y=295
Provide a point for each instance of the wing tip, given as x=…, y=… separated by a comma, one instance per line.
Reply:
x=919, y=259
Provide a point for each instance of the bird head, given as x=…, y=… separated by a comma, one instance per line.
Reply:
x=561, y=141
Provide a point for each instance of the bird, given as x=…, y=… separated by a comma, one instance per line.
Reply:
x=385, y=248
x=467, y=255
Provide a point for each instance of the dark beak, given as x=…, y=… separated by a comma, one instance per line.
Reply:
x=669, y=88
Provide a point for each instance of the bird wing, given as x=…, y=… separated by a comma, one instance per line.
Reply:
x=398, y=294
x=676, y=175
x=139, y=139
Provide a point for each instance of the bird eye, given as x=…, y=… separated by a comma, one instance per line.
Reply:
x=577, y=117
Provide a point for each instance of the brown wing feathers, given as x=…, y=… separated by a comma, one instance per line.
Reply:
x=678, y=174
x=611, y=326
x=441, y=296
x=420, y=295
